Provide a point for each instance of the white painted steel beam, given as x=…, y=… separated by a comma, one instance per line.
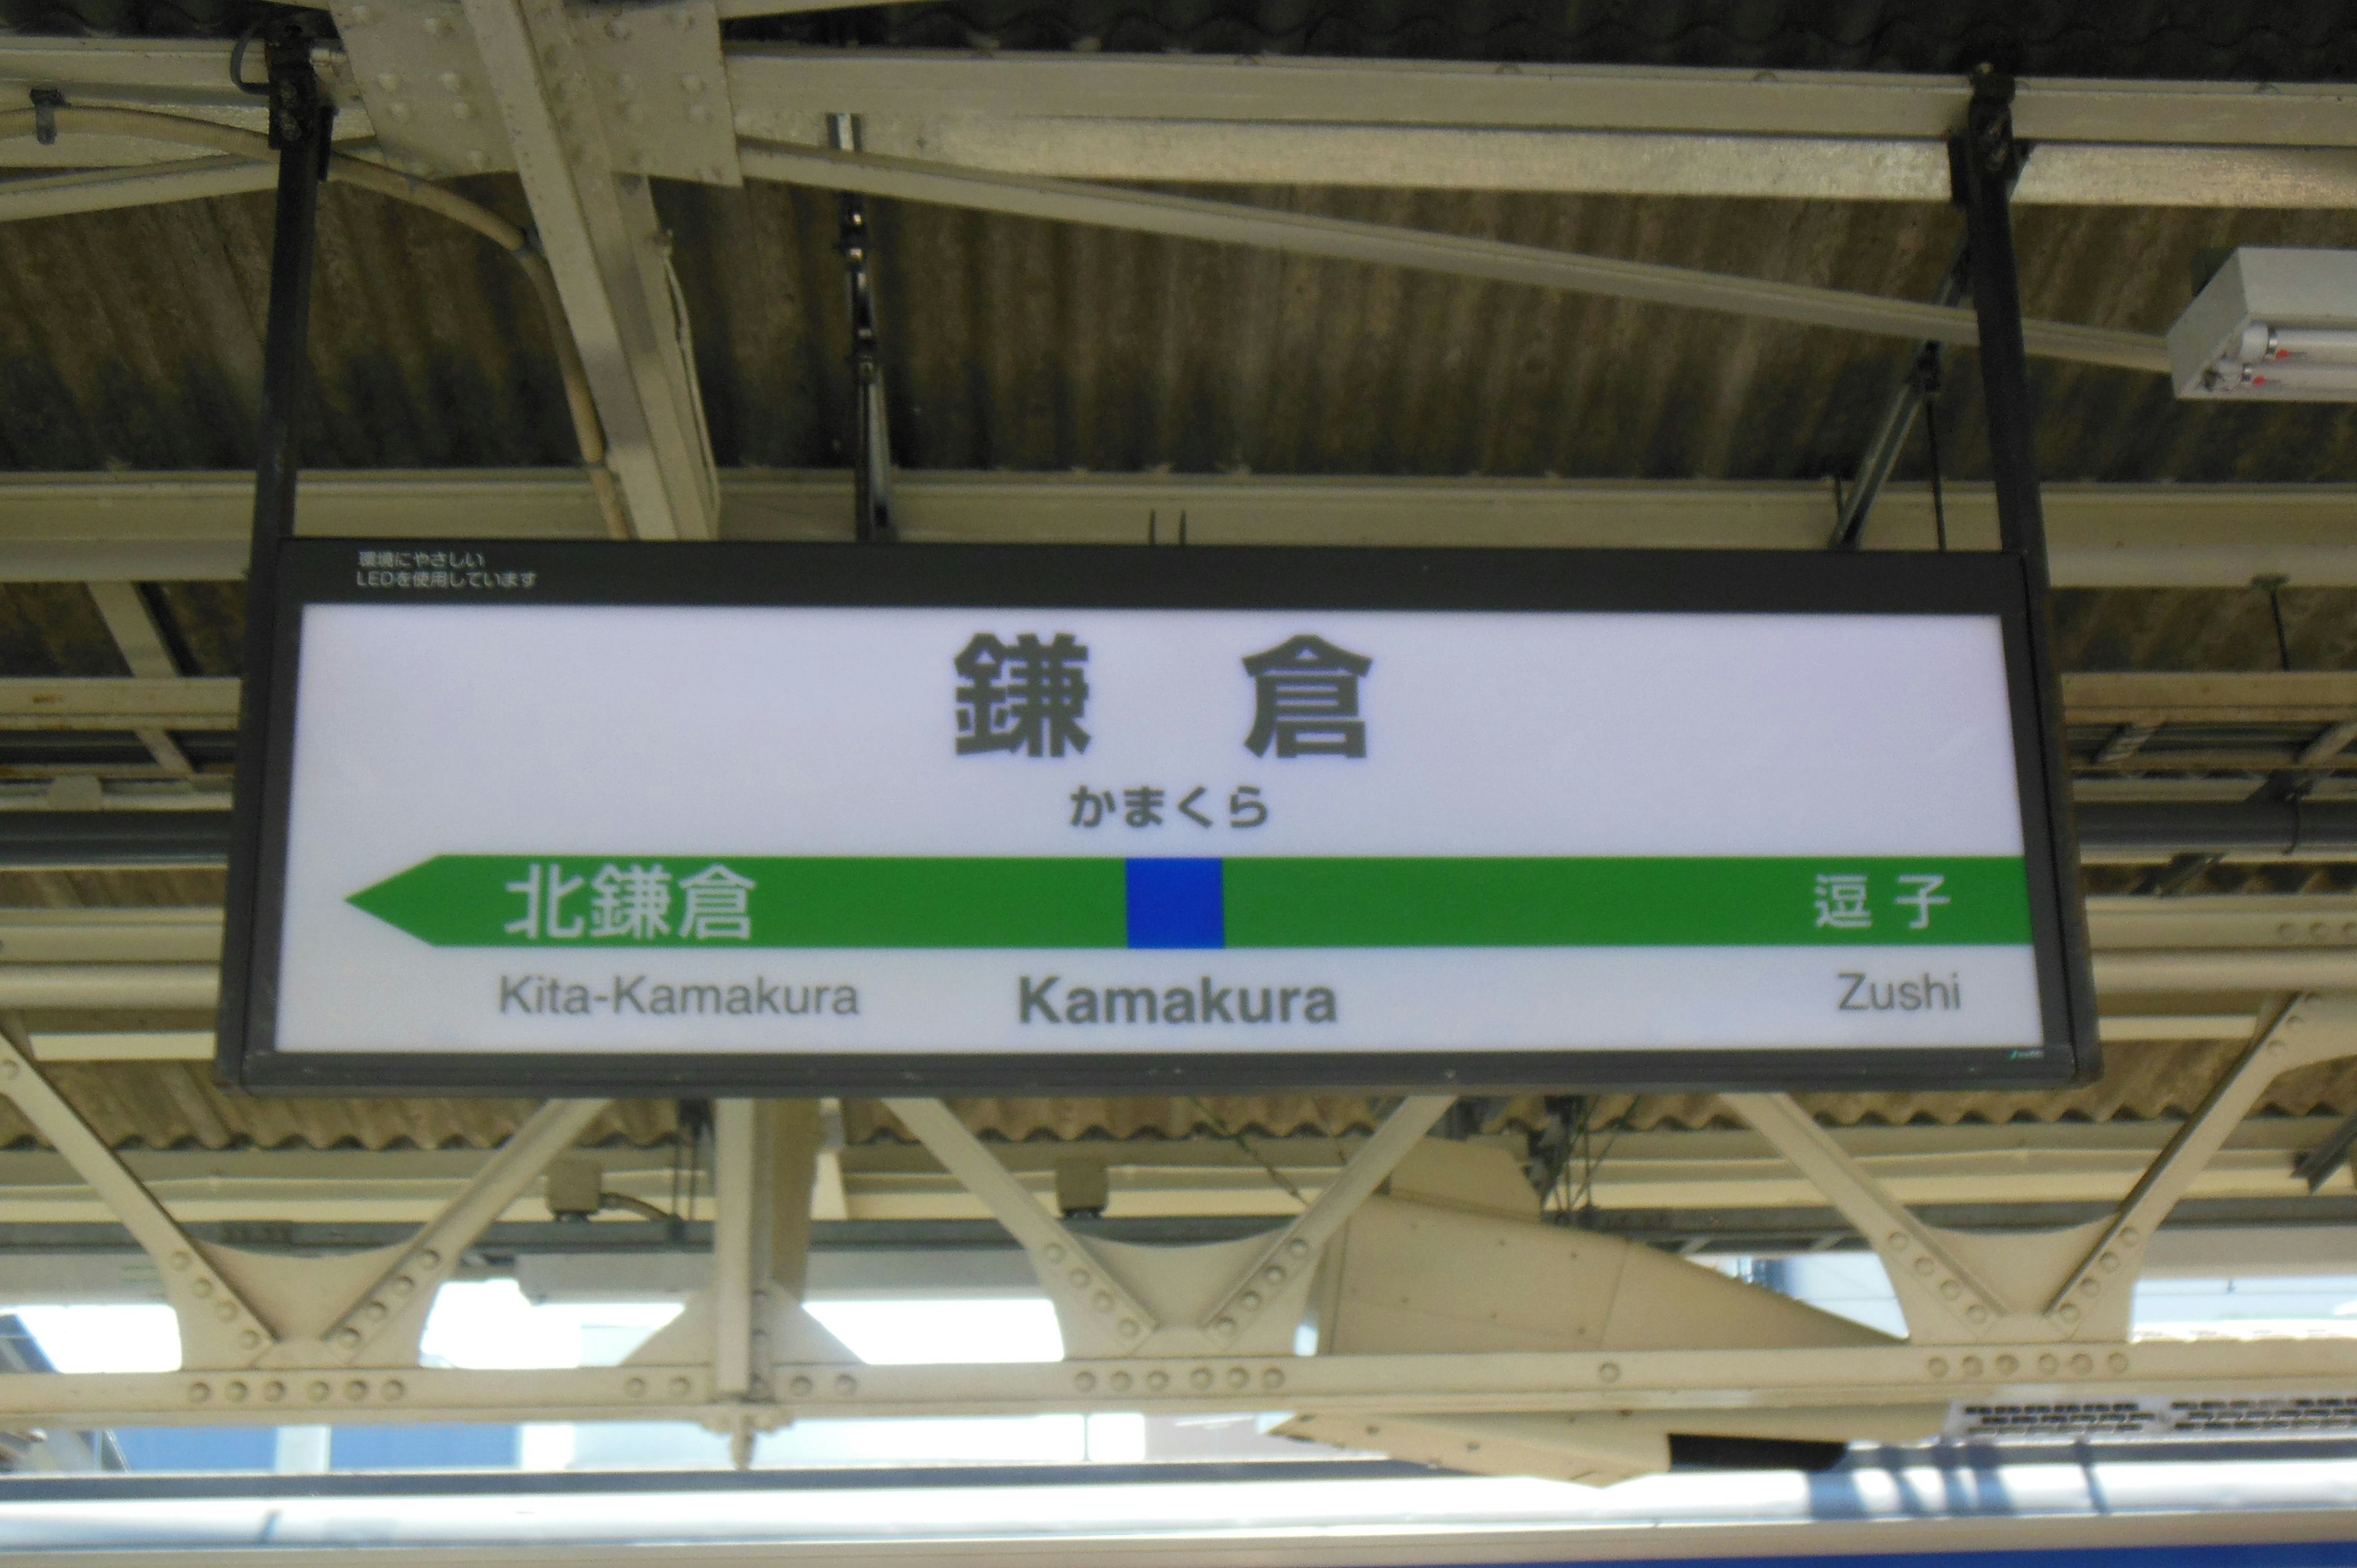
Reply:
x=192, y=526
x=220, y=1325
x=179, y=987
x=1618, y=130
x=1633, y=130
x=598, y=226
x=1421, y=158
x=1456, y=255
x=162, y=1045
x=1668, y=1169
x=1224, y=89
x=1301, y=90
x=108, y=703
x=1572, y=162
x=1684, y=1379
x=177, y=178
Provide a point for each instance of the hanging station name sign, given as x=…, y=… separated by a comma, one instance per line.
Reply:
x=615, y=816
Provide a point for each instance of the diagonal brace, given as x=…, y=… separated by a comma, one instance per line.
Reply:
x=219, y=1327
x=1924, y=1271
x=403, y=1292
x=2314, y=1028
x=1297, y=1248
x=1098, y=1310
x=2320, y=1164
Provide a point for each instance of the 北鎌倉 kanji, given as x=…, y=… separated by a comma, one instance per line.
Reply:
x=1026, y=697
x=630, y=902
x=718, y=907
x=1305, y=699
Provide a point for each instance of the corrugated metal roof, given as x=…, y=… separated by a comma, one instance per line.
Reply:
x=162, y=1105
x=2289, y=40
x=2140, y=1083
x=1016, y=344
x=2282, y=42
x=132, y=340
x=170, y=1105
x=54, y=629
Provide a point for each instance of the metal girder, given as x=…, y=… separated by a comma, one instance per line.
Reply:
x=769, y=80
x=133, y=626
x=412, y=77
x=1122, y=1299
x=2298, y=697
x=748, y=1316
x=380, y=1324
x=659, y=88
x=596, y=224
x=140, y=641
x=1497, y=261
x=2093, y=697
x=2313, y=1028
x=1458, y=1258
x=1631, y=130
x=1299, y=90
x=2017, y=1176
x=220, y=1325
x=1697, y=1377
x=1419, y=158
x=191, y=526
x=239, y=1309
x=2073, y=1284
x=2005, y=1320
x=179, y=178
x=1572, y=162
x=186, y=76
x=155, y=1044
x=112, y=703
x=1099, y=1314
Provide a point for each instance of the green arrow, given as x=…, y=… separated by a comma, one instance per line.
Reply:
x=490, y=901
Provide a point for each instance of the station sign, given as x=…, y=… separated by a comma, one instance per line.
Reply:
x=629, y=818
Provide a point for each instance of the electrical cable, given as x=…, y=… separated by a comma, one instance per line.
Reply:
x=1932, y=439
x=149, y=125
x=1240, y=1142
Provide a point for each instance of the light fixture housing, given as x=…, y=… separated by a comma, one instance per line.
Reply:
x=2271, y=326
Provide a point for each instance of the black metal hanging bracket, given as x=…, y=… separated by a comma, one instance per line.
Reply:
x=301, y=114
x=1984, y=160
x=875, y=521
x=1988, y=140
x=47, y=101
x=302, y=121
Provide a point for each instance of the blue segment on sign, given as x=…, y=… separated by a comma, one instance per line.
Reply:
x=1176, y=903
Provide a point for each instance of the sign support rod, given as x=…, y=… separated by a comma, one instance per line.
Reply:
x=872, y=459
x=1983, y=163
x=302, y=122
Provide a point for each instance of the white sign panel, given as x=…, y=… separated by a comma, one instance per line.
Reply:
x=636, y=829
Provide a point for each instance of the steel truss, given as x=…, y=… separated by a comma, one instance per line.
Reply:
x=1646, y=1340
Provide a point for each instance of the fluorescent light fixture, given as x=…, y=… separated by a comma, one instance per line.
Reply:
x=2272, y=325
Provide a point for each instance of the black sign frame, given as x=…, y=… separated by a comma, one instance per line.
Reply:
x=323, y=571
